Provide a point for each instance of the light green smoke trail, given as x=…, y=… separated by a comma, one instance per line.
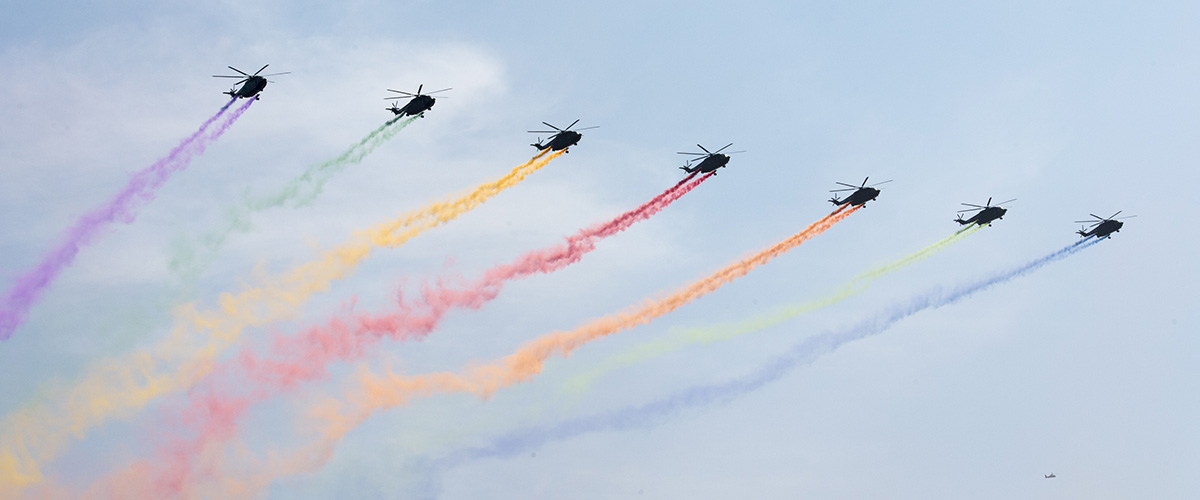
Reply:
x=191, y=257
x=678, y=339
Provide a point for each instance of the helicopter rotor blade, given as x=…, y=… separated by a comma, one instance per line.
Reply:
x=843, y=189
x=972, y=205
x=736, y=152
x=851, y=186
x=694, y=154
x=878, y=183
x=1127, y=217
x=864, y=182
x=443, y=90
x=1006, y=202
x=705, y=150
x=587, y=128
x=260, y=69
x=989, y=202
x=542, y=132
x=970, y=210
x=1097, y=216
x=238, y=70
x=552, y=126
x=572, y=124
x=277, y=74
x=1114, y=216
x=722, y=148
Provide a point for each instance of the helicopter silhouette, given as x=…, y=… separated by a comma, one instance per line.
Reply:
x=419, y=104
x=1101, y=227
x=861, y=195
x=253, y=83
x=563, y=138
x=1049, y=476
x=710, y=161
x=987, y=213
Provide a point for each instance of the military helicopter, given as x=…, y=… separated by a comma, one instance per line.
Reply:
x=253, y=83
x=987, y=213
x=1049, y=476
x=563, y=138
x=419, y=104
x=710, y=161
x=1101, y=227
x=862, y=193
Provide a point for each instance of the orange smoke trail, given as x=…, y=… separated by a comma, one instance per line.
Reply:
x=377, y=392
x=112, y=388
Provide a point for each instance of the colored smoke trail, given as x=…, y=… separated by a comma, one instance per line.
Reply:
x=15, y=304
x=191, y=258
x=247, y=379
x=116, y=387
x=376, y=392
x=802, y=353
x=680, y=339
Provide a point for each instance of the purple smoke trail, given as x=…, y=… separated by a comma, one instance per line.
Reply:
x=14, y=307
x=806, y=351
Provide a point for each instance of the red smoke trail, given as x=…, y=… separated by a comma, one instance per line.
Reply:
x=214, y=412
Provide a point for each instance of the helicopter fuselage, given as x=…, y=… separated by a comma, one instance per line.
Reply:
x=859, y=197
x=709, y=163
x=1105, y=228
x=250, y=88
x=416, y=106
x=561, y=140
x=985, y=216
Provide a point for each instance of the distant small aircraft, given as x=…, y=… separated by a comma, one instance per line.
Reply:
x=1050, y=476
x=710, y=161
x=862, y=193
x=1101, y=227
x=563, y=138
x=253, y=83
x=987, y=213
x=419, y=104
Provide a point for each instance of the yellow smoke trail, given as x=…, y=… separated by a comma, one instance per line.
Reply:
x=117, y=387
x=704, y=335
x=376, y=392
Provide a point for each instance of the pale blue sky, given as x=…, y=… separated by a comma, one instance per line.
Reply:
x=1084, y=369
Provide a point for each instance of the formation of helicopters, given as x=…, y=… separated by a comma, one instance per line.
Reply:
x=708, y=161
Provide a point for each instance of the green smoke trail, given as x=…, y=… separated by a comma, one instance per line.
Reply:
x=191, y=257
x=677, y=339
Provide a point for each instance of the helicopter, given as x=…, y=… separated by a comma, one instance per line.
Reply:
x=987, y=213
x=253, y=83
x=710, y=161
x=861, y=195
x=563, y=138
x=1049, y=476
x=1101, y=227
x=419, y=104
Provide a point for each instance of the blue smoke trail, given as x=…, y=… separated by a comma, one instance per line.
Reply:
x=802, y=353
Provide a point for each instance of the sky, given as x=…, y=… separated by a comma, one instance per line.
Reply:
x=1082, y=368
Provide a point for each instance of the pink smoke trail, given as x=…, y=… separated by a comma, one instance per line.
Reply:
x=181, y=465
x=15, y=304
